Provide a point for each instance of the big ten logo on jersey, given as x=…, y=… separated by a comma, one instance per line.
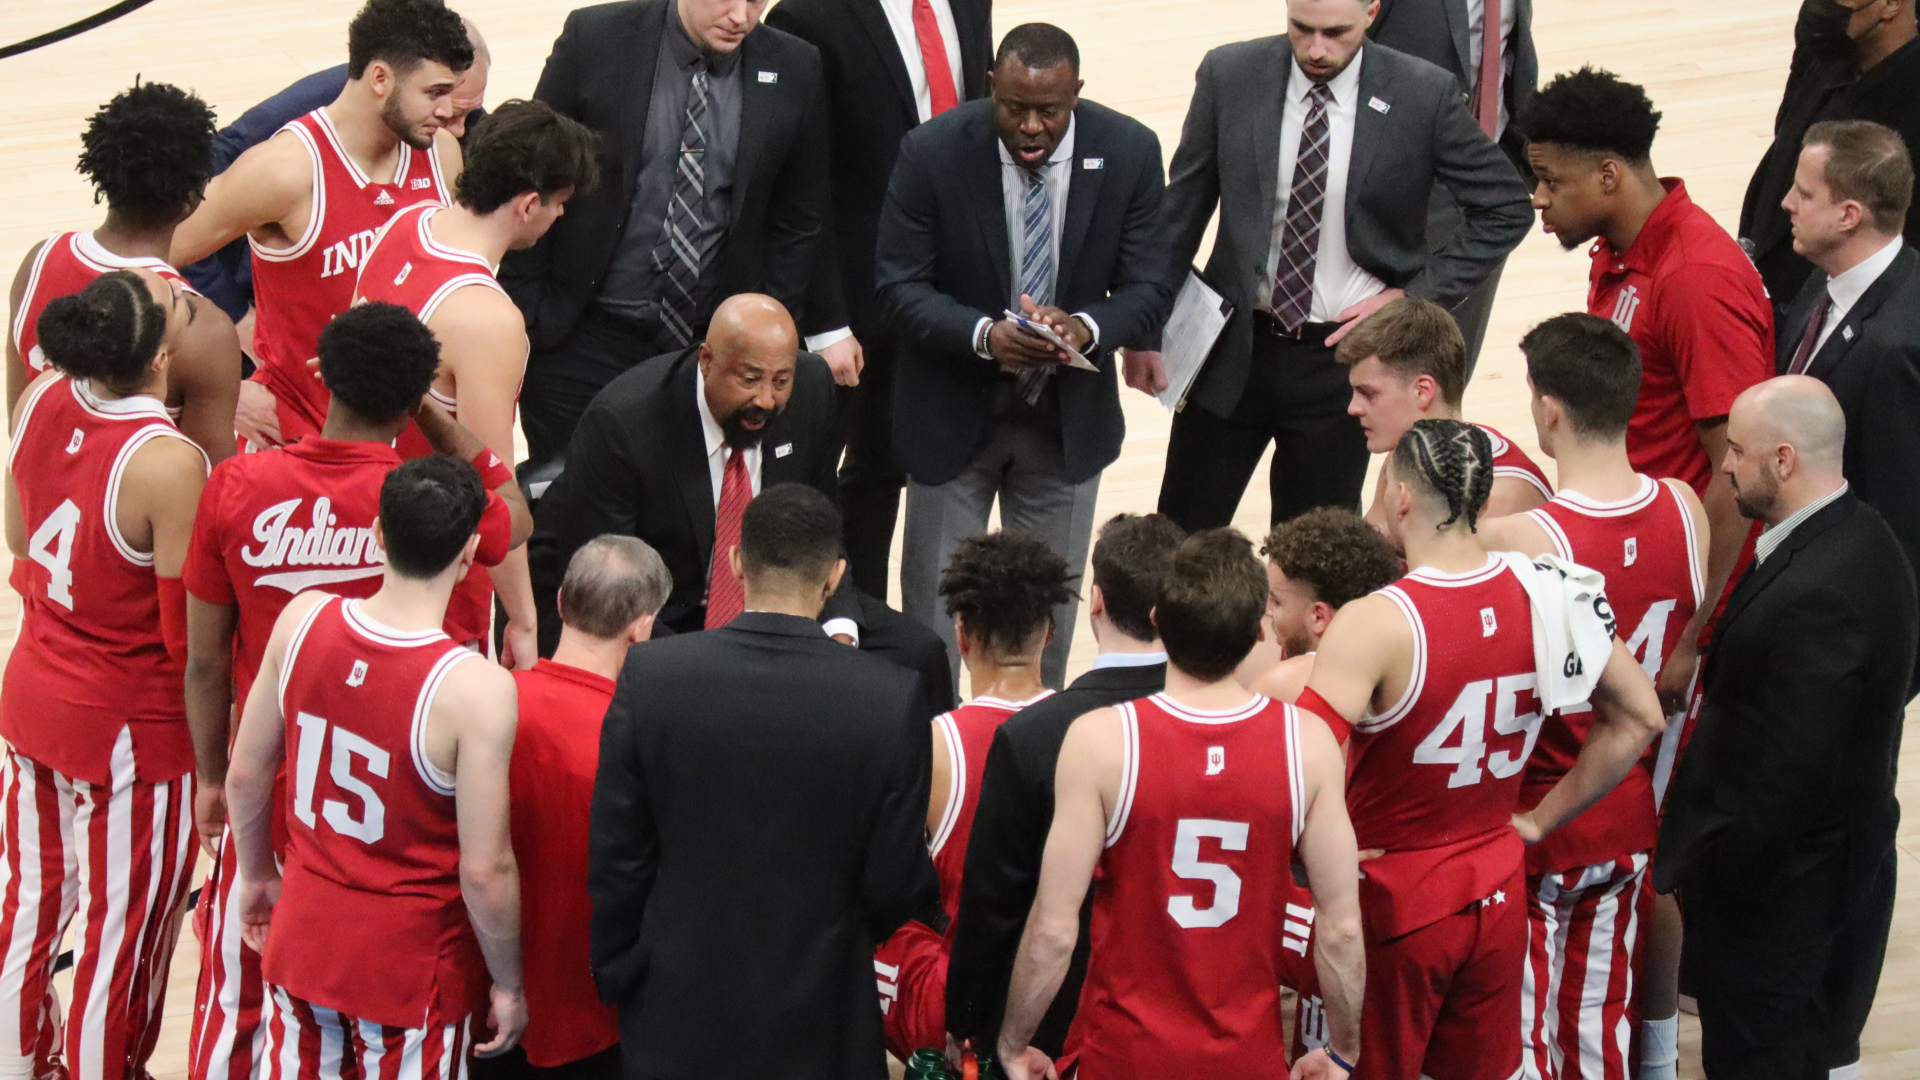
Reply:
x=325, y=542
x=888, y=976
x=1467, y=721
x=1216, y=760
x=345, y=255
x=340, y=750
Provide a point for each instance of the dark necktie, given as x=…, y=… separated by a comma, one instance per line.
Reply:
x=933, y=56
x=1300, y=234
x=725, y=599
x=1036, y=267
x=1803, y=355
x=678, y=255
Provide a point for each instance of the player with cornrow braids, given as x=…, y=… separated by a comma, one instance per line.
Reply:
x=1437, y=681
x=1001, y=590
x=145, y=153
x=97, y=773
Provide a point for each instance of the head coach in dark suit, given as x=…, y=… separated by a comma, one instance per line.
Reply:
x=1033, y=193
x=891, y=65
x=1778, y=831
x=758, y=826
x=1015, y=810
x=650, y=459
x=1320, y=149
x=715, y=128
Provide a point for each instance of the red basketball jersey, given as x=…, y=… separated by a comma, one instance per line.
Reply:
x=1190, y=899
x=1647, y=548
x=1512, y=463
x=370, y=920
x=298, y=290
x=63, y=266
x=1435, y=780
x=967, y=733
x=90, y=660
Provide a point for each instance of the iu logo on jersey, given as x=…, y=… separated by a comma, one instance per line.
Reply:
x=73, y=444
x=1624, y=307
x=1216, y=760
x=1633, y=550
x=405, y=271
x=359, y=673
x=1488, y=624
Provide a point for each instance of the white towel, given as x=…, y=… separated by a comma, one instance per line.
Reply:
x=1573, y=626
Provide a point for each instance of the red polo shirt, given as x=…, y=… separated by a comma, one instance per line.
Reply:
x=1692, y=301
x=555, y=754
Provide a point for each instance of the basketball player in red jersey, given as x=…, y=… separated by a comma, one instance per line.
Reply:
x=400, y=897
x=1585, y=883
x=1000, y=590
x=311, y=199
x=145, y=153
x=1317, y=563
x=270, y=525
x=1422, y=670
x=1408, y=362
x=525, y=161
x=1191, y=805
x=97, y=778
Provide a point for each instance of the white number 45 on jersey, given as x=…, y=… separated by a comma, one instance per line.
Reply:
x=1467, y=720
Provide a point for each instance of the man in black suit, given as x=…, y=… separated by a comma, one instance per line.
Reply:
x=650, y=459
x=1848, y=203
x=891, y=65
x=1032, y=198
x=758, y=825
x=1015, y=810
x=1453, y=35
x=1778, y=831
x=1320, y=150
x=716, y=129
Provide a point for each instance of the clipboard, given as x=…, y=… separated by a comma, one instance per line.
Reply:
x=1199, y=315
x=1039, y=329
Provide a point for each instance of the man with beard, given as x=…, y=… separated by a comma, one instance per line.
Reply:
x=311, y=199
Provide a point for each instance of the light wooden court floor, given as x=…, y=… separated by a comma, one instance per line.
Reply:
x=1715, y=70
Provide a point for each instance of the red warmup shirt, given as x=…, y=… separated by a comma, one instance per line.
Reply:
x=1693, y=302
x=556, y=752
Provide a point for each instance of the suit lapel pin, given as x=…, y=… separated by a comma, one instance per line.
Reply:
x=769, y=76
x=1378, y=106
x=1846, y=333
x=783, y=450
x=1093, y=163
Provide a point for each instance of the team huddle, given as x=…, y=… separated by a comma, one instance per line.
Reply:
x=1410, y=768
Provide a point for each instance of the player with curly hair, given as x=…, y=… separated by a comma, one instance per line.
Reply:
x=1001, y=590
x=1317, y=563
x=145, y=153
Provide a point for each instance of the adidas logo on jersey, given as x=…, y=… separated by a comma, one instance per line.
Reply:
x=359, y=673
x=1216, y=760
x=73, y=444
x=420, y=182
x=1487, y=622
x=383, y=199
x=402, y=275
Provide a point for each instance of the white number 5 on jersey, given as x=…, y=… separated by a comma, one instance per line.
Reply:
x=52, y=547
x=1186, y=863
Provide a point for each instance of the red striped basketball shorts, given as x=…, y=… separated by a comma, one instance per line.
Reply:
x=1582, y=926
x=228, y=1034
x=311, y=1042
x=121, y=855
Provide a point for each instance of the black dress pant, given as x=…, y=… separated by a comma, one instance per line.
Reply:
x=1295, y=398
x=562, y=381
x=870, y=482
x=513, y=1065
x=1853, y=971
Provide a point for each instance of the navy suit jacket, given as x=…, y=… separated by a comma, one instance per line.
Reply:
x=943, y=263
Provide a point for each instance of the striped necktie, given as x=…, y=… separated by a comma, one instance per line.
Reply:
x=1036, y=266
x=678, y=255
x=1300, y=231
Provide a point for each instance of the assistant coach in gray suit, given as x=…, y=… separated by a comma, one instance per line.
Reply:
x=1281, y=128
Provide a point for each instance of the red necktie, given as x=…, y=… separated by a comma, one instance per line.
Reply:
x=724, y=596
x=933, y=53
x=1803, y=355
x=1489, y=90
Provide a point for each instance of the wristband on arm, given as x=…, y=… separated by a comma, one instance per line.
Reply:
x=1311, y=701
x=493, y=471
x=173, y=616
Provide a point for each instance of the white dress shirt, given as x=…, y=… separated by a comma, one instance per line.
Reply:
x=1013, y=200
x=1338, y=282
x=1847, y=288
x=717, y=451
x=900, y=19
x=1476, y=31
x=1773, y=536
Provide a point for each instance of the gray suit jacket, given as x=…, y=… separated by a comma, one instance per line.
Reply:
x=1436, y=31
x=1411, y=131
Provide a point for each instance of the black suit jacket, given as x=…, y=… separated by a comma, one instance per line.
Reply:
x=1010, y=827
x=759, y=824
x=1871, y=362
x=944, y=263
x=1437, y=31
x=637, y=466
x=871, y=108
x=1790, y=774
x=601, y=73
